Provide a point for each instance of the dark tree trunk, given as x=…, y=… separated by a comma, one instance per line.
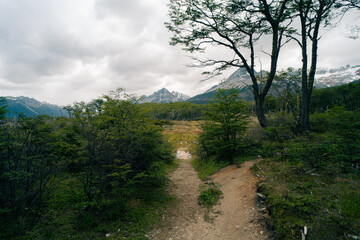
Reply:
x=259, y=109
x=304, y=110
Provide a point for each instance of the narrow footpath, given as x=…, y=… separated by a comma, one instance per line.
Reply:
x=235, y=217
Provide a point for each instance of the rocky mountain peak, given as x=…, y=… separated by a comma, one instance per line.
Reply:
x=164, y=96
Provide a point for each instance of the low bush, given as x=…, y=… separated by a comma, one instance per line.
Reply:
x=210, y=194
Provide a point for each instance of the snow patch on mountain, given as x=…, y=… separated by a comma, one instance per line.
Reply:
x=330, y=77
x=164, y=96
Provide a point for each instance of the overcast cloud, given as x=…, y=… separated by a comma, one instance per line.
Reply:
x=66, y=51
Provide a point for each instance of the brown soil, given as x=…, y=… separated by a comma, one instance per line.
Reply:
x=235, y=217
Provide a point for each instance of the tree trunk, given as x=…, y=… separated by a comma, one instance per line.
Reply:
x=303, y=123
x=259, y=109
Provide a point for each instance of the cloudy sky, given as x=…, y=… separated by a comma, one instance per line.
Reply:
x=61, y=51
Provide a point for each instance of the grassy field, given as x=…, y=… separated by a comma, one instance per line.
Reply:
x=183, y=134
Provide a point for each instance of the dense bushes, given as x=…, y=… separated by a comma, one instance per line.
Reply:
x=173, y=111
x=30, y=158
x=347, y=96
x=225, y=123
x=313, y=180
x=111, y=155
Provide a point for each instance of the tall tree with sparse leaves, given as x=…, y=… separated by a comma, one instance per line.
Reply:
x=237, y=25
x=313, y=14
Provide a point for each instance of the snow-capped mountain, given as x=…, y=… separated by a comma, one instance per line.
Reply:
x=324, y=77
x=164, y=96
x=336, y=76
x=240, y=79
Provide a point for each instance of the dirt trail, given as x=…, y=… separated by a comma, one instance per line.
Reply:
x=236, y=217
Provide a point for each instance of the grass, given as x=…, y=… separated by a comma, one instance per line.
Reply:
x=305, y=187
x=183, y=134
x=238, y=160
x=210, y=194
x=207, y=167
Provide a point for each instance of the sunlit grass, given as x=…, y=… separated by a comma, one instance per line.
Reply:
x=183, y=134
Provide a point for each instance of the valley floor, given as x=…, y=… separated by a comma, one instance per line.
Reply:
x=235, y=217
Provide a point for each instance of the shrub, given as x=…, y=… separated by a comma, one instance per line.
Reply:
x=226, y=120
x=210, y=194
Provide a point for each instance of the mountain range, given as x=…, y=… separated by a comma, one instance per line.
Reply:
x=164, y=96
x=239, y=79
x=31, y=107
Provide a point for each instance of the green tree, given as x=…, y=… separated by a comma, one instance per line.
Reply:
x=225, y=123
x=287, y=87
x=2, y=108
x=114, y=145
x=234, y=25
x=30, y=158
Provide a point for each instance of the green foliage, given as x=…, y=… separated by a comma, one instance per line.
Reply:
x=347, y=96
x=115, y=144
x=177, y=111
x=30, y=159
x=286, y=92
x=225, y=123
x=210, y=194
x=312, y=181
x=3, y=110
x=80, y=177
x=207, y=167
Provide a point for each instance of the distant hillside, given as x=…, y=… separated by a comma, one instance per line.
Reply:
x=240, y=79
x=205, y=98
x=31, y=107
x=164, y=96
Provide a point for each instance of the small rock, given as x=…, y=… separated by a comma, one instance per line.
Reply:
x=107, y=235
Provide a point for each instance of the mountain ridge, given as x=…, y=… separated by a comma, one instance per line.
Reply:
x=31, y=107
x=164, y=96
x=325, y=77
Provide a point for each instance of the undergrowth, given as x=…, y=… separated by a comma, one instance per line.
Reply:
x=313, y=180
x=210, y=194
x=208, y=166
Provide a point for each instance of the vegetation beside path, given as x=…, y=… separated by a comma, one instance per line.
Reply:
x=313, y=181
